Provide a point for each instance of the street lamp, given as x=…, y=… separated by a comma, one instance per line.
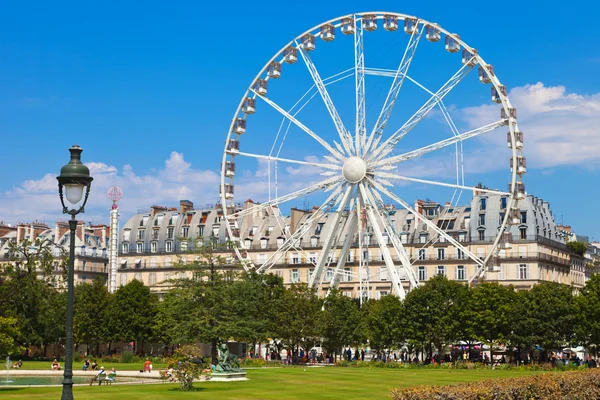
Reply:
x=74, y=178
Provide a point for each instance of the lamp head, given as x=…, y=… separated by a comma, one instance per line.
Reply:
x=74, y=177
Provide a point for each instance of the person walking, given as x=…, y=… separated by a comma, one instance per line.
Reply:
x=349, y=354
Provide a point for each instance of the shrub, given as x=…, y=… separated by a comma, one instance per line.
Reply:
x=127, y=357
x=583, y=384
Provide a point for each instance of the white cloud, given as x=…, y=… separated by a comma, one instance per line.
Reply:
x=560, y=128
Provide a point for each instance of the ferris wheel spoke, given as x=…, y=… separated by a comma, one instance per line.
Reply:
x=345, y=137
x=394, y=238
x=316, y=277
x=427, y=222
x=395, y=88
x=300, y=125
x=441, y=144
x=370, y=207
x=360, y=132
x=290, y=241
x=387, y=146
x=337, y=273
x=286, y=160
x=435, y=183
x=258, y=208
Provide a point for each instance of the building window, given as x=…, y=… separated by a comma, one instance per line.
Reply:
x=126, y=235
x=460, y=273
x=263, y=243
x=460, y=254
x=279, y=242
x=329, y=274
x=200, y=230
x=482, y=203
x=502, y=215
x=441, y=254
x=404, y=238
x=295, y=276
x=295, y=258
x=347, y=275
x=167, y=276
x=123, y=279
x=139, y=247
x=503, y=202
x=423, y=238
x=140, y=234
x=168, y=247
x=314, y=241
x=152, y=278
x=481, y=219
x=83, y=265
x=462, y=236
x=481, y=234
x=422, y=273
x=523, y=217
x=523, y=271
x=170, y=232
x=349, y=257
x=184, y=231
x=441, y=270
x=153, y=247
x=382, y=274
x=138, y=277
x=310, y=274
x=125, y=248
x=523, y=233
x=422, y=254
x=312, y=258
x=155, y=234
x=381, y=293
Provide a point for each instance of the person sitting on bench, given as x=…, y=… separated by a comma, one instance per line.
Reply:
x=101, y=375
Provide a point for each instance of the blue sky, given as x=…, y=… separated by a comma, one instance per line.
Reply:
x=149, y=89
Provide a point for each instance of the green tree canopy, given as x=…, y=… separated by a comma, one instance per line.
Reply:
x=340, y=322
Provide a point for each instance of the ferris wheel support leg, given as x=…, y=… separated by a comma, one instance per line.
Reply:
x=394, y=276
x=396, y=243
x=315, y=279
x=360, y=132
x=335, y=280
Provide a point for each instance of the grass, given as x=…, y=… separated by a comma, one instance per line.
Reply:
x=282, y=383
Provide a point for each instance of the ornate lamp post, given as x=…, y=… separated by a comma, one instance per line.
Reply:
x=74, y=178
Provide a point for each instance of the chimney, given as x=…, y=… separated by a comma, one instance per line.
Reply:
x=156, y=209
x=185, y=206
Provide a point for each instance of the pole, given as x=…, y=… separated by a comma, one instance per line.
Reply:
x=67, y=392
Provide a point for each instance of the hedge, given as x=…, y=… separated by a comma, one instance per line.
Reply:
x=583, y=384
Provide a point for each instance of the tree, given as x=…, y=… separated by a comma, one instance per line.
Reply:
x=587, y=305
x=187, y=364
x=92, y=302
x=383, y=321
x=296, y=315
x=544, y=315
x=578, y=248
x=490, y=311
x=26, y=287
x=433, y=312
x=8, y=332
x=131, y=314
x=340, y=322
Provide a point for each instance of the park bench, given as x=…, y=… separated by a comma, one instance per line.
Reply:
x=108, y=380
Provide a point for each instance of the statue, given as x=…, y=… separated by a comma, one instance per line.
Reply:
x=227, y=362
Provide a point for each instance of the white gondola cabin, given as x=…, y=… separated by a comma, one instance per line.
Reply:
x=432, y=33
x=249, y=106
x=233, y=147
x=348, y=26
x=239, y=126
x=274, y=70
x=512, y=113
x=515, y=216
x=327, y=32
x=452, y=45
x=369, y=22
x=521, y=165
x=229, y=169
x=410, y=26
x=518, y=191
x=228, y=190
x=290, y=55
x=484, y=77
x=518, y=140
x=496, y=97
x=505, y=241
x=260, y=87
x=468, y=57
x=308, y=42
x=390, y=23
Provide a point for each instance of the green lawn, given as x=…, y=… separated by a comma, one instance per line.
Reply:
x=281, y=383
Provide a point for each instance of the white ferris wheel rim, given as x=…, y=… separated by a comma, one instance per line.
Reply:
x=316, y=32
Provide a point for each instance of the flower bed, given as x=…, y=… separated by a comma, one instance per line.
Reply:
x=584, y=384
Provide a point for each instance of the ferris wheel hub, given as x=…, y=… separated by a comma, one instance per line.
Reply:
x=354, y=169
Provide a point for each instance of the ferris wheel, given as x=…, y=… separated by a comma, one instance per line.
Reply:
x=363, y=129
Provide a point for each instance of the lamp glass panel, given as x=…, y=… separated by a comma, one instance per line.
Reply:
x=74, y=192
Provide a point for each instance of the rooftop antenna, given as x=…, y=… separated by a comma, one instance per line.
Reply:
x=114, y=194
